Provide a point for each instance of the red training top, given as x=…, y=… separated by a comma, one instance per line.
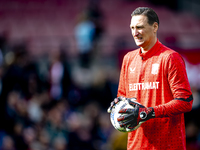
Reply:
x=157, y=79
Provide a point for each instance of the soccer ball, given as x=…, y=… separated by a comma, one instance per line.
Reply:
x=115, y=114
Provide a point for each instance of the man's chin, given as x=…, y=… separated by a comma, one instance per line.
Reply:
x=139, y=43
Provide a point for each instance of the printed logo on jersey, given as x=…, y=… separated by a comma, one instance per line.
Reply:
x=143, y=115
x=143, y=86
x=154, y=69
x=132, y=70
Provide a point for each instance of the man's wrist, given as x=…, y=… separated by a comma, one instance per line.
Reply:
x=146, y=114
x=152, y=112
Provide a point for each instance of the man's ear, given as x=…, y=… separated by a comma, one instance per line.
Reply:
x=155, y=27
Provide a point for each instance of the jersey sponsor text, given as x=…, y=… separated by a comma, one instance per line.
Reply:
x=143, y=86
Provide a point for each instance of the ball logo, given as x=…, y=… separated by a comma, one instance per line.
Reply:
x=123, y=106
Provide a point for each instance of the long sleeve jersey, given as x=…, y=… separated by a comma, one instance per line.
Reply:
x=157, y=79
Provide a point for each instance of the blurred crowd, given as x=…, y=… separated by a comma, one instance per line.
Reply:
x=53, y=102
x=56, y=102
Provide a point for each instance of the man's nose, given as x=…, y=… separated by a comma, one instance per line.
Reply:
x=135, y=32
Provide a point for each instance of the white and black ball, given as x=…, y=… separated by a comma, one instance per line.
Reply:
x=115, y=114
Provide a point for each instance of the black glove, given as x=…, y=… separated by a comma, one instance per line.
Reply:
x=135, y=116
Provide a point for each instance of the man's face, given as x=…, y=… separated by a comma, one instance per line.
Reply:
x=143, y=33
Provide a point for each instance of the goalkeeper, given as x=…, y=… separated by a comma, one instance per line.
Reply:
x=156, y=76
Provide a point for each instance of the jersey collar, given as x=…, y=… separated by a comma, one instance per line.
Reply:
x=151, y=52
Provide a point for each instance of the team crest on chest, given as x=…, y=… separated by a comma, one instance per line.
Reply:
x=154, y=69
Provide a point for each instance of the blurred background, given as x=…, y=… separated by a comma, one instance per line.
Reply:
x=60, y=63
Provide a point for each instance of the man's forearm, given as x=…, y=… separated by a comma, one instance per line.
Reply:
x=174, y=107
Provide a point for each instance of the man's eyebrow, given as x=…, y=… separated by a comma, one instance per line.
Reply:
x=137, y=26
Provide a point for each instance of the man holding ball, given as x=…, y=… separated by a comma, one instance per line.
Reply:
x=156, y=76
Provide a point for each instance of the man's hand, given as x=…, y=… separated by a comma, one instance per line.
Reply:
x=136, y=115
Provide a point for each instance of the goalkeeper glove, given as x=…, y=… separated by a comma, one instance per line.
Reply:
x=136, y=116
